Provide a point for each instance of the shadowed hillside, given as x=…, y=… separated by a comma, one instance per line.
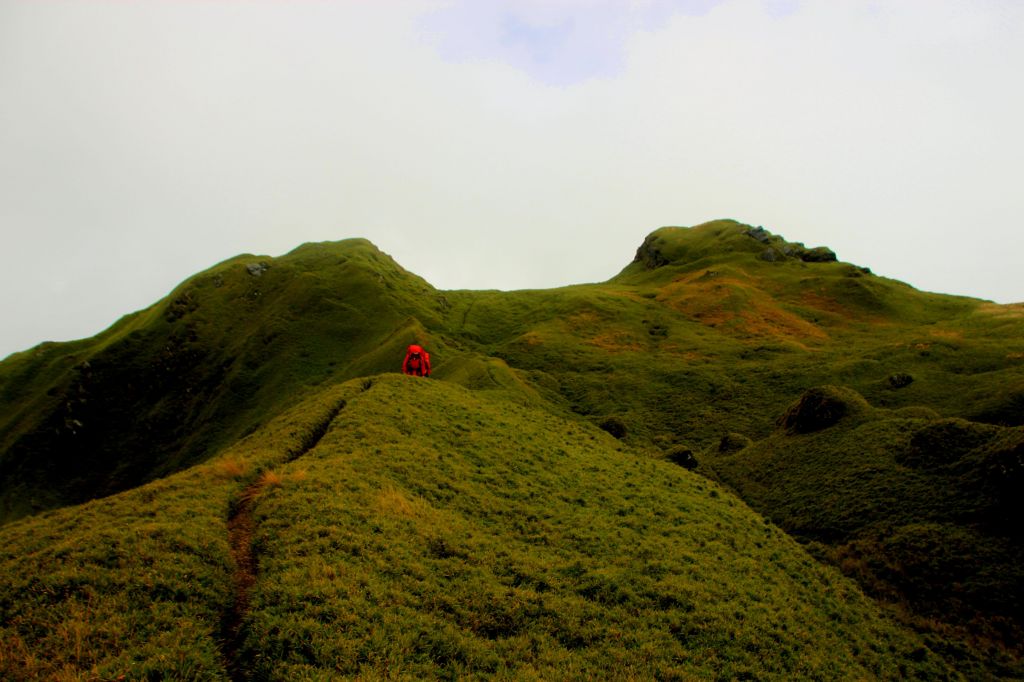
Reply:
x=923, y=512
x=702, y=352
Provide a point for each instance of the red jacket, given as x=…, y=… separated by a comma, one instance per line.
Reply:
x=417, y=362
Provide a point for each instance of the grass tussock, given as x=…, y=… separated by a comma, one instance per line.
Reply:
x=394, y=502
x=229, y=468
x=270, y=479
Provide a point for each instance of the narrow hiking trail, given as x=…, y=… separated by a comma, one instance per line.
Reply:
x=241, y=529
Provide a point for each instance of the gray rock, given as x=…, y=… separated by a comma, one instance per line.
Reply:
x=257, y=269
x=819, y=254
x=900, y=379
x=650, y=254
x=759, y=233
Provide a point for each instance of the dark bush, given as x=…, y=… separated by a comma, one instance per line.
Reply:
x=944, y=442
x=683, y=456
x=733, y=442
x=1003, y=408
x=615, y=426
x=1003, y=469
x=820, y=408
x=900, y=379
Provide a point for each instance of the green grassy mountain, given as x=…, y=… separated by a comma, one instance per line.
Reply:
x=168, y=386
x=269, y=501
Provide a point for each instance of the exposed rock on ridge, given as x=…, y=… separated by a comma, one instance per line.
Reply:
x=779, y=249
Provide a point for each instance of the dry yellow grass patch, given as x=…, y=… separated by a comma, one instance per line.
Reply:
x=229, y=467
x=770, y=321
x=1009, y=310
x=270, y=479
x=531, y=339
x=616, y=341
x=583, y=320
x=395, y=502
x=732, y=304
x=684, y=352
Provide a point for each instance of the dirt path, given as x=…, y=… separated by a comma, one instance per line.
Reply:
x=241, y=529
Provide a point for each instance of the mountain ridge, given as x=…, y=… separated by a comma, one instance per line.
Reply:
x=395, y=540
x=702, y=353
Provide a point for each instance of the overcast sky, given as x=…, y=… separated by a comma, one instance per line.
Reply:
x=497, y=143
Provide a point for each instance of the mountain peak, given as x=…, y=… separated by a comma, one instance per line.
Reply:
x=719, y=240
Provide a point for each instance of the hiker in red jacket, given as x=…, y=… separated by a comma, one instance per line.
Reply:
x=417, y=362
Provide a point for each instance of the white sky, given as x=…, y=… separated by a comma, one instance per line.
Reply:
x=497, y=143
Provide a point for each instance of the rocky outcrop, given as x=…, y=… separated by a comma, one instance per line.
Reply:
x=819, y=254
x=257, y=269
x=900, y=380
x=779, y=249
x=759, y=233
x=650, y=255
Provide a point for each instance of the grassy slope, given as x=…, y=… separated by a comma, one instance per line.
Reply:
x=923, y=512
x=436, y=532
x=171, y=385
x=715, y=339
x=694, y=349
x=136, y=583
x=725, y=341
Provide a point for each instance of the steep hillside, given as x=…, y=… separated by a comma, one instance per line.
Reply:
x=168, y=386
x=700, y=336
x=407, y=528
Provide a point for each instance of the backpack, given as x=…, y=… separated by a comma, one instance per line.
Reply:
x=417, y=362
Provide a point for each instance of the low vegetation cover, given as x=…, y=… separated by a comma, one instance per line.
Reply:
x=428, y=531
x=925, y=513
x=137, y=584
x=436, y=532
x=169, y=386
x=877, y=424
